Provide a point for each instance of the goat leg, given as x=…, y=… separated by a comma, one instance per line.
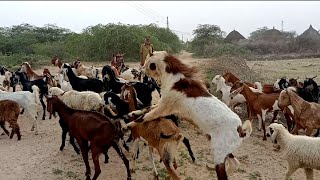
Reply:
x=43, y=107
x=156, y=175
x=95, y=157
x=187, y=144
x=63, y=142
x=2, y=125
x=125, y=160
x=84, y=151
x=76, y=149
x=106, y=157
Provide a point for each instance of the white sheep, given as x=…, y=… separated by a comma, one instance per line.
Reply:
x=30, y=102
x=299, y=151
x=84, y=100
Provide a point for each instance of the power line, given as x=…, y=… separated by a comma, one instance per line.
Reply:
x=151, y=11
x=146, y=13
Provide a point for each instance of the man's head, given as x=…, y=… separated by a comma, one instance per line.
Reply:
x=147, y=40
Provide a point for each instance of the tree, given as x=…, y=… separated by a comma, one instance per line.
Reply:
x=257, y=33
x=206, y=35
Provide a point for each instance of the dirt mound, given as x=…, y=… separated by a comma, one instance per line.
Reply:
x=235, y=65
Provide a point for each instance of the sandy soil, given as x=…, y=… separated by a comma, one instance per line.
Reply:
x=37, y=157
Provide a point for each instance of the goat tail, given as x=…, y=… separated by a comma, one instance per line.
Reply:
x=247, y=128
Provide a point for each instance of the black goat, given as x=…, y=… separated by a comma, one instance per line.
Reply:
x=144, y=90
x=309, y=85
x=80, y=84
x=27, y=86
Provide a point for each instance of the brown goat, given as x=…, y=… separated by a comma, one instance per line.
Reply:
x=161, y=134
x=307, y=114
x=26, y=68
x=89, y=126
x=9, y=111
x=49, y=78
x=259, y=103
x=266, y=88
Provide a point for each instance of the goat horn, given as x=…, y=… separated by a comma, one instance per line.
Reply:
x=314, y=77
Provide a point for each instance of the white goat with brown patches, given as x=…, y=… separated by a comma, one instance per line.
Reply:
x=183, y=94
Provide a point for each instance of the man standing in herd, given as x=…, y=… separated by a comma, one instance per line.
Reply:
x=145, y=49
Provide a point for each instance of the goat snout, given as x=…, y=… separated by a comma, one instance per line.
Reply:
x=268, y=135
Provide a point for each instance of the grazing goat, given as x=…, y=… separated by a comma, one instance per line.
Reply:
x=307, y=114
x=80, y=84
x=9, y=111
x=299, y=151
x=183, y=94
x=28, y=101
x=31, y=75
x=260, y=104
x=312, y=87
x=89, y=126
x=27, y=86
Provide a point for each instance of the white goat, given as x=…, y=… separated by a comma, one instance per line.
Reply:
x=183, y=94
x=225, y=89
x=84, y=100
x=28, y=101
x=65, y=85
x=299, y=151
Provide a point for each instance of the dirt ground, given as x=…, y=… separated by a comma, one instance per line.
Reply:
x=37, y=157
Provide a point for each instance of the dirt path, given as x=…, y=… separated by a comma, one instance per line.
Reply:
x=37, y=157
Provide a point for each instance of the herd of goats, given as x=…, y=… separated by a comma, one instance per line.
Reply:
x=100, y=107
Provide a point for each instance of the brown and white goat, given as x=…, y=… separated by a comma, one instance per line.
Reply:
x=9, y=111
x=185, y=95
x=161, y=134
x=26, y=68
x=266, y=88
x=89, y=126
x=259, y=103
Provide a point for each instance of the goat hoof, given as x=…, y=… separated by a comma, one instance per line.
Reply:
x=61, y=148
x=2, y=134
x=88, y=178
x=132, y=170
x=156, y=176
x=264, y=138
x=43, y=118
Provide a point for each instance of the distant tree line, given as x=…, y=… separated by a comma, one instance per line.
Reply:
x=94, y=43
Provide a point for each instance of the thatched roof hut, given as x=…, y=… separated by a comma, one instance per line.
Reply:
x=309, y=40
x=233, y=36
x=310, y=33
x=271, y=35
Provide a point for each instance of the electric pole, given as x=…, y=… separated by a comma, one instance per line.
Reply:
x=167, y=22
x=282, y=25
x=182, y=37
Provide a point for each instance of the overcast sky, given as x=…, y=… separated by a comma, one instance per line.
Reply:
x=184, y=16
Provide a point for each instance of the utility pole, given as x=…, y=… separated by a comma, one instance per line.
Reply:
x=182, y=37
x=282, y=25
x=167, y=22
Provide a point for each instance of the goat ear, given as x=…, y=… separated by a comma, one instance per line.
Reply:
x=314, y=77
